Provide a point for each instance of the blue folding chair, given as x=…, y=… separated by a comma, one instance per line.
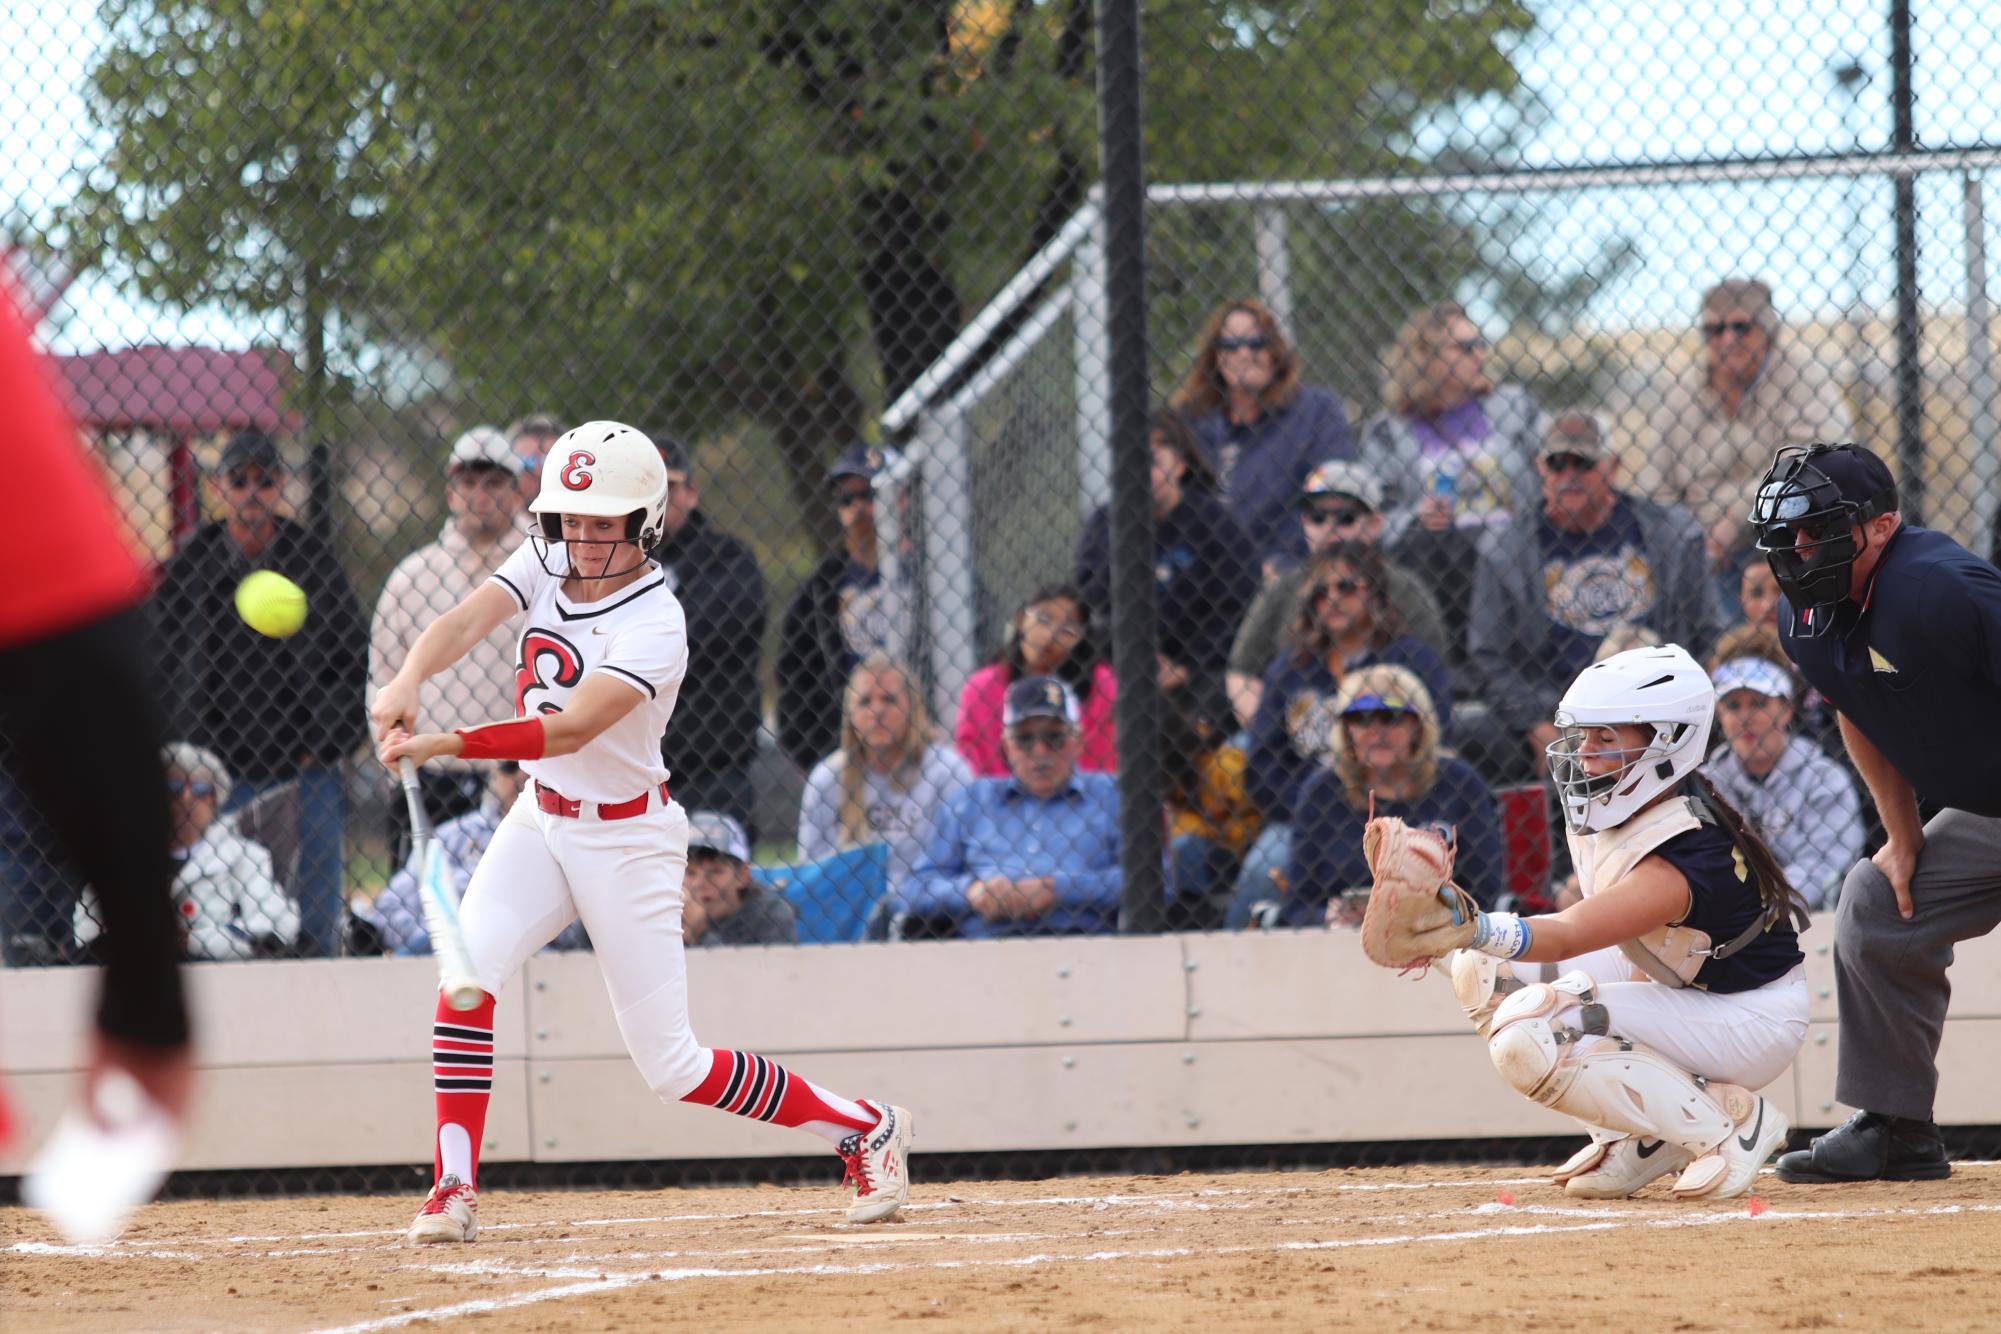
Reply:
x=834, y=896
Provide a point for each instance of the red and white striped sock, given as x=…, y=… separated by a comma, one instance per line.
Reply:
x=462, y=1078
x=753, y=1086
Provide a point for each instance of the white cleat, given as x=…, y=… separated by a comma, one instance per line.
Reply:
x=1615, y=1169
x=450, y=1214
x=1727, y=1171
x=879, y=1167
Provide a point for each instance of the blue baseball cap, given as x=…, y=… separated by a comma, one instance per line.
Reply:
x=1040, y=697
x=1373, y=703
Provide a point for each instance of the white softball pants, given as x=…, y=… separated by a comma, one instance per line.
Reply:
x=1746, y=1037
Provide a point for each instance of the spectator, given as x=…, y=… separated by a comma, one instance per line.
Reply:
x=38, y=891
x=712, y=737
x=1345, y=622
x=1049, y=636
x=1204, y=576
x=889, y=778
x=1720, y=424
x=273, y=710
x=229, y=898
x=1383, y=756
x=531, y=438
x=1339, y=502
x=723, y=905
x=397, y=915
x=1033, y=854
x=1260, y=428
x=1549, y=587
x=1758, y=595
x=1211, y=817
x=1455, y=453
x=843, y=610
x=1799, y=801
x=483, y=499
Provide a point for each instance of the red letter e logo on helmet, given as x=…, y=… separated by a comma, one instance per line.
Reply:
x=576, y=475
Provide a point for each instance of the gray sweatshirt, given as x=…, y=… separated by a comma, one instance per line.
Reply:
x=1805, y=809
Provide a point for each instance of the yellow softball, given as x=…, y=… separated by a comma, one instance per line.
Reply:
x=271, y=604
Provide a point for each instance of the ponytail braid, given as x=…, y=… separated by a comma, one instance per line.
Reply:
x=1775, y=891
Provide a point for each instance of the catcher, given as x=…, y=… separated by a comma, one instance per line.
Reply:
x=1665, y=997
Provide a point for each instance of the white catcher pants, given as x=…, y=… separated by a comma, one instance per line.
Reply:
x=623, y=879
x=1747, y=1037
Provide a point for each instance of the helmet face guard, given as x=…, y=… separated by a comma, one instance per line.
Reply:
x=1808, y=534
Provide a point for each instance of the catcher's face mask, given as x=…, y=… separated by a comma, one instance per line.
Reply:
x=1810, y=535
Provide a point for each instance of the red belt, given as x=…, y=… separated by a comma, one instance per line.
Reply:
x=556, y=803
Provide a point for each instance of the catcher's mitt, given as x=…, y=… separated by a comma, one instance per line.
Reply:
x=1415, y=911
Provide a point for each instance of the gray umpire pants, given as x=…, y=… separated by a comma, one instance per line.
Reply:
x=1890, y=973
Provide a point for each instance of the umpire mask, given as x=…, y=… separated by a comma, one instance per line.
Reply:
x=1808, y=532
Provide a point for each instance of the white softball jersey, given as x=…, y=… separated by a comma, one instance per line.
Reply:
x=637, y=635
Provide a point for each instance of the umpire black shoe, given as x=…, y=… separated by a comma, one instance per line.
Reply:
x=1870, y=1146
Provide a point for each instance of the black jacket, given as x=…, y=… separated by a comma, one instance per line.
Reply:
x=261, y=703
x=812, y=666
x=1205, y=574
x=721, y=706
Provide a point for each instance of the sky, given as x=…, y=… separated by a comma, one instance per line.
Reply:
x=1618, y=80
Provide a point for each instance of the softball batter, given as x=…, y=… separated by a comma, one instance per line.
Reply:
x=1679, y=987
x=603, y=651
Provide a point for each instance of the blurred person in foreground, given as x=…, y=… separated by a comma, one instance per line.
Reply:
x=724, y=906
x=483, y=499
x=712, y=738
x=93, y=774
x=1261, y=428
x=1033, y=854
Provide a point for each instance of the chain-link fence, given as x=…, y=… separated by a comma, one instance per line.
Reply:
x=1471, y=331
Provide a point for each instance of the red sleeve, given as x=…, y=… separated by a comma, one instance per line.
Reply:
x=66, y=556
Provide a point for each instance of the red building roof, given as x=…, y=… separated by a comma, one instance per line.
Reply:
x=181, y=390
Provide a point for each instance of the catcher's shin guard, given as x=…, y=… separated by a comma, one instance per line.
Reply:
x=1482, y=982
x=1578, y=1069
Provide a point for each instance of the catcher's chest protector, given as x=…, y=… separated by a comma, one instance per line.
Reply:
x=1668, y=954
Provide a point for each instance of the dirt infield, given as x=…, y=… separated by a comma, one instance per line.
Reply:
x=1431, y=1248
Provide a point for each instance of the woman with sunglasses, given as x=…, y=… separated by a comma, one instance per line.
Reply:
x=1455, y=451
x=1204, y=573
x=1049, y=636
x=1345, y=621
x=1383, y=757
x=1260, y=428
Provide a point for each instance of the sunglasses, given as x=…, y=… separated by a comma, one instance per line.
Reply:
x=854, y=496
x=1058, y=629
x=1717, y=328
x=241, y=481
x=201, y=787
x=1249, y=343
x=1374, y=717
x=1562, y=463
x=1340, y=517
x=1040, y=738
x=1470, y=346
x=1347, y=588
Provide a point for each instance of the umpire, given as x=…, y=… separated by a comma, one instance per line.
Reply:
x=1900, y=628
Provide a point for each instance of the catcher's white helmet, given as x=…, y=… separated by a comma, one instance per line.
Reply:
x=604, y=469
x=1662, y=688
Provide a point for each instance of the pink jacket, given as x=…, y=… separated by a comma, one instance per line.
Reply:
x=979, y=732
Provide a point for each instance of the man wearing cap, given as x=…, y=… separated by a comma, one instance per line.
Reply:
x=723, y=905
x=1900, y=628
x=273, y=710
x=1549, y=586
x=531, y=438
x=1751, y=392
x=1032, y=854
x=842, y=611
x=1338, y=502
x=482, y=528
x=1801, y=802
x=712, y=737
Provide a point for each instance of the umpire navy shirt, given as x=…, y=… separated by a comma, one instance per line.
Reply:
x=1917, y=667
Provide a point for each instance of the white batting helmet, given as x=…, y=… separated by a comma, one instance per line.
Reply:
x=1660, y=687
x=604, y=469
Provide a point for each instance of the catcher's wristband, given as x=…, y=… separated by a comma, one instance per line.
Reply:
x=518, y=739
x=1502, y=934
